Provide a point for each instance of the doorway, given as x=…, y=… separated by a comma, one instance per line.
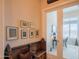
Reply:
x=52, y=32
x=71, y=32
x=62, y=33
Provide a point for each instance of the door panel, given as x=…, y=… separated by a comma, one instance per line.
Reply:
x=52, y=33
x=64, y=24
x=70, y=32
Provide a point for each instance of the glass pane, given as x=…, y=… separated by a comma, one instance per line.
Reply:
x=65, y=30
x=52, y=33
x=71, y=32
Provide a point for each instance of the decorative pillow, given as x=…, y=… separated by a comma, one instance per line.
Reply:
x=41, y=45
x=23, y=56
x=24, y=50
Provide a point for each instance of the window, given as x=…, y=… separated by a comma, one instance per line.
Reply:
x=73, y=31
x=66, y=30
x=70, y=28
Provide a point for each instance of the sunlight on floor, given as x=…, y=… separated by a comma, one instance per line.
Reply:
x=71, y=52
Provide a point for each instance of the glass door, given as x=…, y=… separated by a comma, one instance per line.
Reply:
x=62, y=33
x=52, y=33
x=71, y=32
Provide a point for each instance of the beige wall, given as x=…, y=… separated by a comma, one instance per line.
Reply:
x=16, y=10
x=1, y=31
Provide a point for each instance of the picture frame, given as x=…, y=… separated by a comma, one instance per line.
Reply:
x=36, y=33
x=12, y=33
x=51, y=1
x=24, y=33
x=31, y=33
x=25, y=24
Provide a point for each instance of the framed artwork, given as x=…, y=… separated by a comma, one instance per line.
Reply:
x=36, y=33
x=12, y=33
x=24, y=33
x=25, y=23
x=31, y=33
x=51, y=1
x=29, y=24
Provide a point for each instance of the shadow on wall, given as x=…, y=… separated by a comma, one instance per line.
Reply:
x=51, y=1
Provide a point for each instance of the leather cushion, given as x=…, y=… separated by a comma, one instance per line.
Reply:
x=25, y=56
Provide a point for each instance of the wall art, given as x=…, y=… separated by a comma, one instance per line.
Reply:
x=31, y=33
x=36, y=33
x=24, y=33
x=24, y=24
x=12, y=33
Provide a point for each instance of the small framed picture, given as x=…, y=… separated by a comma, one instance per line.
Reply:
x=12, y=33
x=36, y=33
x=25, y=24
x=30, y=24
x=24, y=33
x=31, y=33
x=51, y=1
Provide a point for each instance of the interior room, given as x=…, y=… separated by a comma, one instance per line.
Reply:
x=39, y=29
